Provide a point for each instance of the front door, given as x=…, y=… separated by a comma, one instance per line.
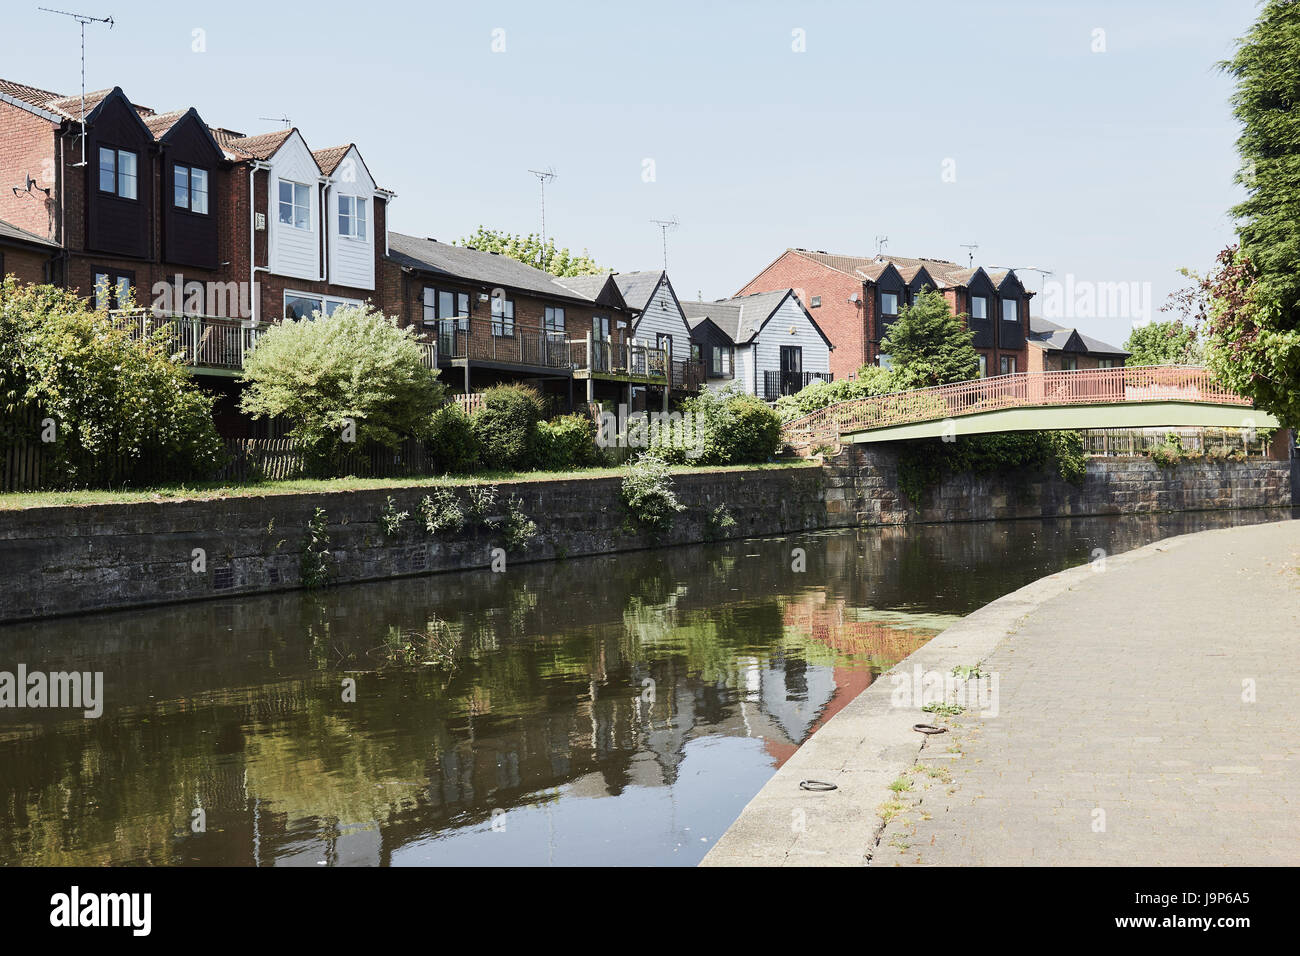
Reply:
x=791, y=369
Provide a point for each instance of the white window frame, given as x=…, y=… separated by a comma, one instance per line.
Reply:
x=897, y=300
x=355, y=217
x=324, y=301
x=190, y=191
x=293, y=204
x=120, y=177
x=979, y=307
x=1015, y=304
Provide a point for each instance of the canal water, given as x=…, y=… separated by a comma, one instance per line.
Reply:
x=612, y=710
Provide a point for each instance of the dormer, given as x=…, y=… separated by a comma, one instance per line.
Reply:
x=1012, y=312
x=294, y=202
x=350, y=200
x=120, y=170
x=191, y=159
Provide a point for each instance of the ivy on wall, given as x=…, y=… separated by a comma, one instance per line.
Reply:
x=923, y=464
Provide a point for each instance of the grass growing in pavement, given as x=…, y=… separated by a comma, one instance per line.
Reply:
x=214, y=490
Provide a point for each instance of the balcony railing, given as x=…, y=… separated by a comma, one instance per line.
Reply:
x=485, y=340
x=209, y=342
x=777, y=383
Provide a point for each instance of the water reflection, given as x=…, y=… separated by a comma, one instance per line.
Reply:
x=607, y=710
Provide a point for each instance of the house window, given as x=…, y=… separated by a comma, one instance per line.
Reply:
x=503, y=316
x=554, y=319
x=1069, y=363
x=816, y=302
x=664, y=342
x=884, y=360
x=190, y=188
x=720, y=366
x=295, y=205
x=112, y=289
x=1010, y=310
x=447, y=304
x=979, y=307
x=696, y=355
x=118, y=172
x=983, y=365
x=304, y=305
x=889, y=303
x=1007, y=364
x=1107, y=363
x=352, y=217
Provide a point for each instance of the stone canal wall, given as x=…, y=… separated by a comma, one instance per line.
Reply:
x=863, y=483
x=70, y=560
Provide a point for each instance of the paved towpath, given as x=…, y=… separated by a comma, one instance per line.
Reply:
x=1143, y=710
x=1148, y=715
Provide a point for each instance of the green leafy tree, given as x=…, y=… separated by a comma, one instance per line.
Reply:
x=342, y=381
x=1163, y=343
x=1253, y=295
x=928, y=345
x=532, y=250
x=114, y=407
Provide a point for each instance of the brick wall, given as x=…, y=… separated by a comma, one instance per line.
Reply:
x=845, y=323
x=27, y=265
x=27, y=148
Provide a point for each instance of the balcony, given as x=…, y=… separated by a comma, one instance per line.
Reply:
x=482, y=340
x=211, y=345
x=777, y=383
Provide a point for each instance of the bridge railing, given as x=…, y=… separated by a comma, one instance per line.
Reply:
x=1103, y=386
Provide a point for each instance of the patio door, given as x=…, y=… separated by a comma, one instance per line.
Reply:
x=600, y=345
x=791, y=369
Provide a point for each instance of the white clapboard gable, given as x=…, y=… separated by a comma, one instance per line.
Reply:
x=294, y=252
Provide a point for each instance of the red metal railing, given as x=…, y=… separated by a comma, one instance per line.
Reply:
x=1103, y=386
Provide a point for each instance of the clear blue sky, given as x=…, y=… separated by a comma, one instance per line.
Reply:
x=1113, y=166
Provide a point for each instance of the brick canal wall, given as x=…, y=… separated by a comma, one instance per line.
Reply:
x=70, y=560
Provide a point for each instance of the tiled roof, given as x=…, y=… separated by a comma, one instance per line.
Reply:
x=493, y=269
x=945, y=274
x=637, y=287
x=10, y=231
x=740, y=318
x=261, y=146
x=328, y=159
x=160, y=123
x=589, y=287
x=1055, y=337
x=30, y=95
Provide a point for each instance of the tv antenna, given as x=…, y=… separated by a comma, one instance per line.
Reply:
x=1042, y=272
x=544, y=176
x=277, y=119
x=83, y=19
x=970, y=248
x=881, y=243
x=664, y=225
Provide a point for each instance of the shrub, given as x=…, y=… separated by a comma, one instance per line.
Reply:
x=732, y=428
x=870, y=382
x=566, y=442
x=648, y=494
x=354, y=366
x=517, y=529
x=390, y=519
x=506, y=426
x=452, y=444
x=123, y=411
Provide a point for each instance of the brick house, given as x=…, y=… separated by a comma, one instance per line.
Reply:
x=496, y=320
x=25, y=255
x=1057, y=348
x=854, y=299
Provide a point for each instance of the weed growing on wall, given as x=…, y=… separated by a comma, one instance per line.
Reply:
x=316, y=559
x=442, y=512
x=718, y=522
x=923, y=464
x=517, y=529
x=390, y=519
x=648, y=494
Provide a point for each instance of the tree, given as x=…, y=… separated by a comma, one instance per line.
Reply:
x=1253, y=295
x=928, y=345
x=1163, y=343
x=342, y=380
x=113, y=407
x=531, y=250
